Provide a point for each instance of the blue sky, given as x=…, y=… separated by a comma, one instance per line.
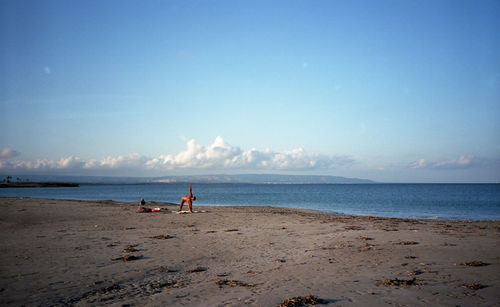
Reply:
x=400, y=91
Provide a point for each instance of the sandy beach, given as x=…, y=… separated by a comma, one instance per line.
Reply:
x=66, y=252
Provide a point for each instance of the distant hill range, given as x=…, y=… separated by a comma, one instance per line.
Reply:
x=261, y=178
x=221, y=178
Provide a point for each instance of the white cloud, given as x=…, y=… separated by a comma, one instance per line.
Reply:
x=222, y=155
x=217, y=156
x=44, y=164
x=7, y=153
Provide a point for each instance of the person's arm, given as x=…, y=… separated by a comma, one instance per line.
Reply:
x=190, y=190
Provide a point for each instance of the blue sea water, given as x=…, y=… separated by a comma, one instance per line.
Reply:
x=430, y=201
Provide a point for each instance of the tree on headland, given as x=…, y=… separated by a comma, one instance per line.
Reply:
x=8, y=179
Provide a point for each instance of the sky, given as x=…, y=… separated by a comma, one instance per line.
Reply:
x=392, y=91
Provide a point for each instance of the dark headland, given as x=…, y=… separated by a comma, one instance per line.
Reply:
x=37, y=184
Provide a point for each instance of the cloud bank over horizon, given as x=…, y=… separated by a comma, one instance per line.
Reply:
x=221, y=157
x=217, y=156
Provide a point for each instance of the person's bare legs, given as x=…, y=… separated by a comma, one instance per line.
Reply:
x=188, y=199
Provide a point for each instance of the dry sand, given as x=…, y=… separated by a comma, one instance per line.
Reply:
x=64, y=252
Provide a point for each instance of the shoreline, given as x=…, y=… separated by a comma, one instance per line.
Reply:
x=77, y=252
x=163, y=203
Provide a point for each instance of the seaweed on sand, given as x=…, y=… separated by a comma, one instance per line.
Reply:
x=128, y=258
x=301, y=301
x=163, y=237
x=232, y=283
x=364, y=238
x=473, y=263
x=399, y=282
x=406, y=243
x=197, y=269
x=474, y=286
x=130, y=249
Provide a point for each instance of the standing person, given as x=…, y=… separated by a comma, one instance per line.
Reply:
x=188, y=199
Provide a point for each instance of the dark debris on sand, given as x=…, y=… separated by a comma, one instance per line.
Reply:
x=163, y=237
x=353, y=227
x=128, y=258
x=473, y=263
x=168, y=270
x=474, y=286
x=167, y=284
x=415, y=272
x=111, y=288
x=399, y=282
x=198, y=269
x=364, y=238
x=301, y=301
x=130, y=249
x=406, y=243
x=232, y=283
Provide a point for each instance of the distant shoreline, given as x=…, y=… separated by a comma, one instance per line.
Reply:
x=37, y=185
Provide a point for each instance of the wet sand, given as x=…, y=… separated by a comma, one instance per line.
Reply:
x=65, y=252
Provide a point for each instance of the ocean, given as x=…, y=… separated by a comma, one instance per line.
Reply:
x=427, y=201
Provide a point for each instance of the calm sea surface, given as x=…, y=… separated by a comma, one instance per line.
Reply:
x=441, y=201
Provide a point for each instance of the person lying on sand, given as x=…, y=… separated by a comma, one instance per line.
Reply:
x=188, y=199
x=141, y=208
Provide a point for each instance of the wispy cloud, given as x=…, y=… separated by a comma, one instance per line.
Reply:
x=218, y=156
x=460, y=163
x=133, y=161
